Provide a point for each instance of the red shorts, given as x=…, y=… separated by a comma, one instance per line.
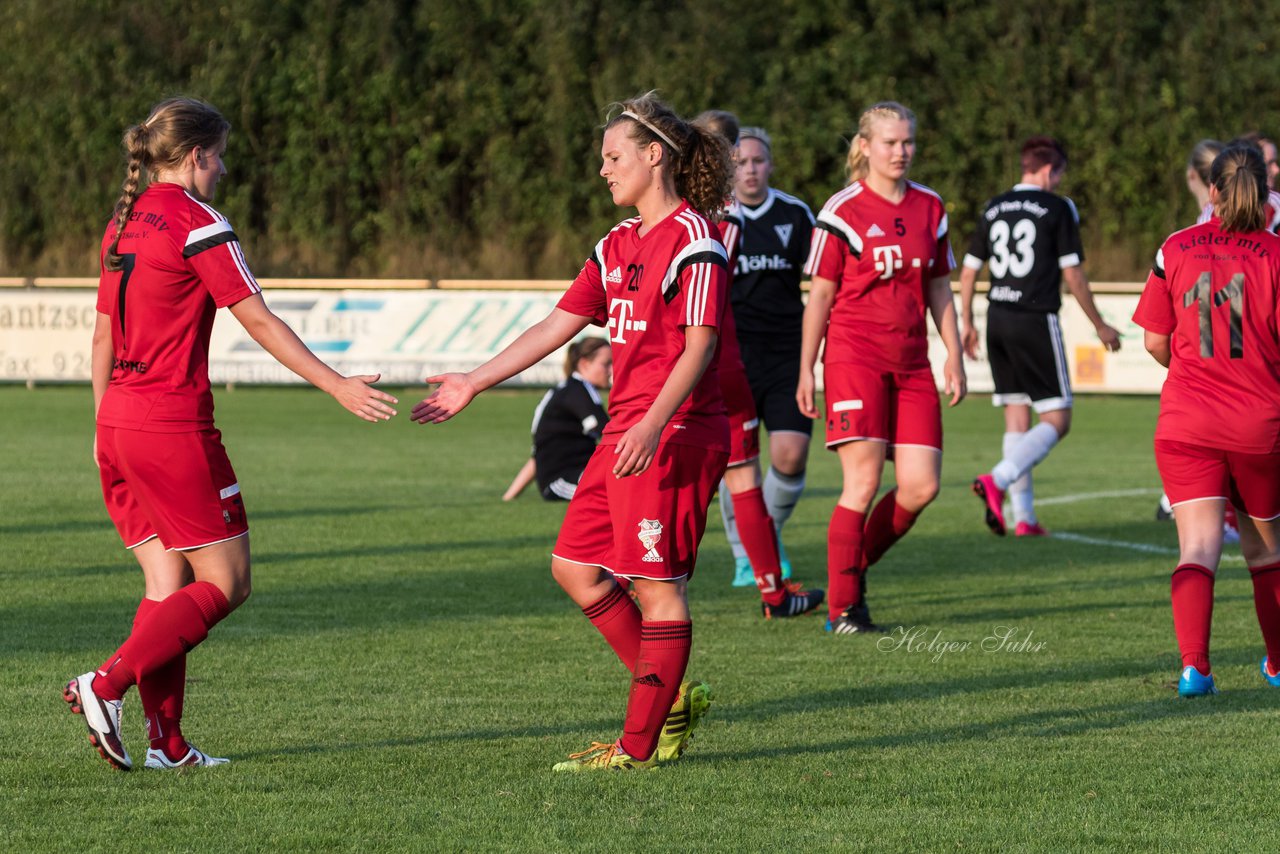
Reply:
x=897, y=407
x=643, y=526
x=744, y=423
x=1197, y=472
x=179, y=487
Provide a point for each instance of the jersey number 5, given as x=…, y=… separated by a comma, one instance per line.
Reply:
x=1203, y=295
x=1018, y=263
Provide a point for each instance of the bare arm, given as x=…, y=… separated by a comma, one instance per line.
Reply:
x=968, y=332
x=1078, y=284
x=943, y=308
x=101, y=359
x=1158, y=346
x=822, y=294
x=355, y=394
x=533, y=345
x=523, y=478
x=636, y=448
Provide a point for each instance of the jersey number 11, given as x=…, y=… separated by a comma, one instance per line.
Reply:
x=1204, y=295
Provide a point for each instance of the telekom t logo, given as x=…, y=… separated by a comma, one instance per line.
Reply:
x=621, y=314
x=888, y=260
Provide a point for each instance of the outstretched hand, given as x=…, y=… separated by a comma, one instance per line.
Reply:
x=452, y=395
x=358, y=396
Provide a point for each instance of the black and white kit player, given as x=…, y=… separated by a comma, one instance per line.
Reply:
x=1029, y=239
x=567, y=425
x=768, y=310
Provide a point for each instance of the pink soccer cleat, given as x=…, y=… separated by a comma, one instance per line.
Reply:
x=984, y=486
x=1029, y=529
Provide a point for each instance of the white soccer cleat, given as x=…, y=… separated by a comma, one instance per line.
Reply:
x=101, y=716
x=195, y=758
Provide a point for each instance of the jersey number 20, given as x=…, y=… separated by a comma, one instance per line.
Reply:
x=1018, y=263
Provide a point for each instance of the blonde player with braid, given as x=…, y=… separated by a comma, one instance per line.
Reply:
x=880, y=261
x=169, y=261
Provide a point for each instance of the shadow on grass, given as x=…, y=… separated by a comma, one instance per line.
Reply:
x=1047, y=723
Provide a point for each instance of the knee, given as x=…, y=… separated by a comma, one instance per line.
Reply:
x=240, y=592
x=917, y=495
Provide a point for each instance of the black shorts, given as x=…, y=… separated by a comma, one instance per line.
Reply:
x=1028, y=359
x=773, y=375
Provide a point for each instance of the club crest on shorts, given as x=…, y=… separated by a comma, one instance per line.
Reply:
x=650, y=534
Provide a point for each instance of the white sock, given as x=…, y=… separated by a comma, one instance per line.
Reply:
x=1033, y=447
x=1020, y=491
x=730, y=523
x=781, y=492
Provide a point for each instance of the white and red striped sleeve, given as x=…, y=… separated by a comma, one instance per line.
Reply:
x=213, y=251
x=696, y=283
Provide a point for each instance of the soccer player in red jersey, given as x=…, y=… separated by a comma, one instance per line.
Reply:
x=1209, y=309
x=743, y=479
x=658, y=283
x=879, y=260
x=169, y=261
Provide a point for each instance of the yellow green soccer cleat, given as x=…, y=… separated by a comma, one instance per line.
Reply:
x=606, y=757
x=690, y=706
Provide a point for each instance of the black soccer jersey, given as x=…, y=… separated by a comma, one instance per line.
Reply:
x=566, y=427
x=1027, y=237
x=765, y=293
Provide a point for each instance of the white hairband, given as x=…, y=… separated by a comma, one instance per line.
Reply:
x=651, y=127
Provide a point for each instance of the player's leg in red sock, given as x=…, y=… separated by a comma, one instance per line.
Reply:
x=162, y=694
x=1192, y=593
x=759, y=538
x=888, y=523
x=664, y=656
x=1266, y=601
x=844, y=559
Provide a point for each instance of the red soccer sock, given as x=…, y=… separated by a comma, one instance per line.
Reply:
x=844, y=559
x=162, y=693
x=616, y=617
x=888, y=523
x=664, y=655
x=1192, y=589
x=1266, y=601
x=175, y=627
x=756, y=531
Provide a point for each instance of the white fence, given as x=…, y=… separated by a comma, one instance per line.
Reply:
x=410, y=329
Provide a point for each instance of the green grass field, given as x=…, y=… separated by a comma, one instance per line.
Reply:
x=406, y=671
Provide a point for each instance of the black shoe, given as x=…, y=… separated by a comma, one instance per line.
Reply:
x=798, y=601
x=856, y=620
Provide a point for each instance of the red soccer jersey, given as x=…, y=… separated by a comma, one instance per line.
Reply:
x=882, y=257
x=181, y=263
x=730, y=229
x=646, y=290
x=1216, y=294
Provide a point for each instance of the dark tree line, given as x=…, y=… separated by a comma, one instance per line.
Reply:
x=460, y=138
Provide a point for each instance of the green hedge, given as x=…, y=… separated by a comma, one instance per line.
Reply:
x=455, y=139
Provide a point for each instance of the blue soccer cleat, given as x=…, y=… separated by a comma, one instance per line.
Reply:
x=1271, y=680
x=743, y=576
x=1193, y=683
